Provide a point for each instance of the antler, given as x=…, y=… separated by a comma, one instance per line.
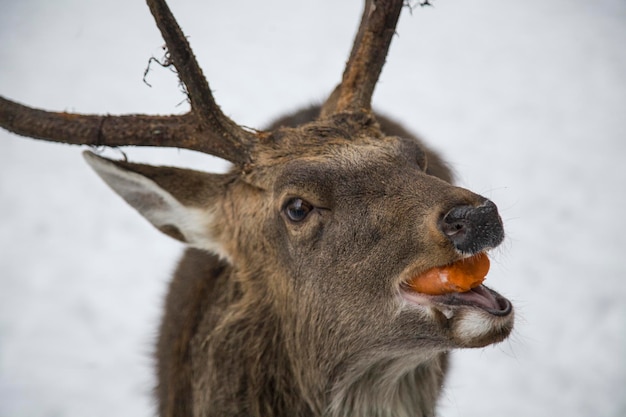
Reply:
x=205, y=128
x=377, y=27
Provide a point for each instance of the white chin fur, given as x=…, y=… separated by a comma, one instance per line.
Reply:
x=475, y=324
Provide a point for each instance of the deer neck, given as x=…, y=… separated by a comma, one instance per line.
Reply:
x=390, y=388
x=245, y=347
x=250, y=347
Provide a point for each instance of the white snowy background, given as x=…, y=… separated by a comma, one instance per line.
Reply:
x=526, y=99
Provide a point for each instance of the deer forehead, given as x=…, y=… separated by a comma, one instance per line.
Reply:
x=336, y=160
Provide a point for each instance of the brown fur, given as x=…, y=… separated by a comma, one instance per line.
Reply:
x=280, y=332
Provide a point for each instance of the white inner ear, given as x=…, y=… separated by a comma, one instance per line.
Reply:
x=159, y=206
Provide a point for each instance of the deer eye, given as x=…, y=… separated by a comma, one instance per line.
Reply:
x=297, y=209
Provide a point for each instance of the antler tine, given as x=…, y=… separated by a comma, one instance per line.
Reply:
x=377, y=27
x=205, y=128
x=222, y=129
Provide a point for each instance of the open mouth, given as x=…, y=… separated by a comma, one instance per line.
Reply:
x=456, y=284
x=480, y=297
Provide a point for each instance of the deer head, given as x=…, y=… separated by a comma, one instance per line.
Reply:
x=321, y=225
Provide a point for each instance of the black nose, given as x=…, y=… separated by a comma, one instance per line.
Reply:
x=473, y=229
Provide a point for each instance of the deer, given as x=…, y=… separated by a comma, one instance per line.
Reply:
x=294, y=295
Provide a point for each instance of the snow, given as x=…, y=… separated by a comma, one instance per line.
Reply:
x=526, y=99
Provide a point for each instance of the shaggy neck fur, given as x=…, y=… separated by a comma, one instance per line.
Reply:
x=264, y=380
x=390, y=388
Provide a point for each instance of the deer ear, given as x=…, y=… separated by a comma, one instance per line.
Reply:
x=176, y=201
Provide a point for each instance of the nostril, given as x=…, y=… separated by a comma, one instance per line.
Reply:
x=453, y=228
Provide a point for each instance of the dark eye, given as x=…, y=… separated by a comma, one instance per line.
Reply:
x=297, y=209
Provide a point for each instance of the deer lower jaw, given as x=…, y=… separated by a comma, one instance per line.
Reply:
x=475, y=318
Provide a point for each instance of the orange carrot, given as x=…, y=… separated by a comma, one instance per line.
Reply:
x=460, y=276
